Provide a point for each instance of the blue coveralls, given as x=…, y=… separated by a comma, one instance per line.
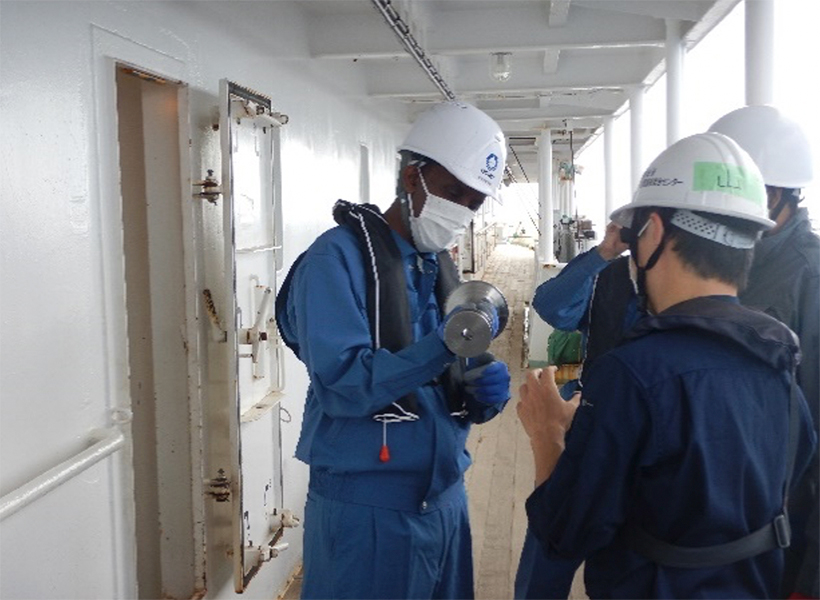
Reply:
x=564, y=303
x=395, y=529
x=692, y=447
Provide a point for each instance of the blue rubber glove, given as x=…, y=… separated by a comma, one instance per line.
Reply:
x=489, y=383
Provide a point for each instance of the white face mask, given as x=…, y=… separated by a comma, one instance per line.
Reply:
x=440, y=223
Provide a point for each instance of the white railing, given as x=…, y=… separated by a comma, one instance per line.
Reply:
x=53, y=478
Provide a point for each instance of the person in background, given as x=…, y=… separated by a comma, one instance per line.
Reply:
x=784, y=281
x=669, y=473
x=389, y=409
x=594, y=295
x=594, y=287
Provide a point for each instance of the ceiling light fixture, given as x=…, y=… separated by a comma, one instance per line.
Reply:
x=500, y=65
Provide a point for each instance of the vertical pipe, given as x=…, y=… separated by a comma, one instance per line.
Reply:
x=609, y=181
x=545, y=199
x=674, y=80
x=759, y=51
x=559, y=200
x=636, y=135
x=567, y=187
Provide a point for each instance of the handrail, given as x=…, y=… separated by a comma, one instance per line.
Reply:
x=53, y=478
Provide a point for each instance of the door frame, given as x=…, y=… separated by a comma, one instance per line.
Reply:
x=108, y=50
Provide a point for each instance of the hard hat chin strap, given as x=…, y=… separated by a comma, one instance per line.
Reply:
x=641, y=271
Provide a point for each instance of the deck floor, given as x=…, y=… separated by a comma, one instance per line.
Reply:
x=501, y=476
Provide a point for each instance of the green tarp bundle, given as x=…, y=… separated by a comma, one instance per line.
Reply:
x=564, y=348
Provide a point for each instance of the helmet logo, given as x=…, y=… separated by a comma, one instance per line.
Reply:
x=729, y=179
x=491, y=164
x=649, y=180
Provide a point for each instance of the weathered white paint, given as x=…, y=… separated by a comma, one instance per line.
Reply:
x=62, y=262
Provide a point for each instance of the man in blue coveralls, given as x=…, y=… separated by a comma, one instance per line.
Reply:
x=389, y=407
x=669, y=473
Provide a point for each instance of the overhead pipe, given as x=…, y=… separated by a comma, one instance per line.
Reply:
x=402, y=31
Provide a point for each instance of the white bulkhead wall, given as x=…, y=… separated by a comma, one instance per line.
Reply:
x=61, y=359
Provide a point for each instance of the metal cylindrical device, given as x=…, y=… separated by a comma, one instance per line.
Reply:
x=469, y=332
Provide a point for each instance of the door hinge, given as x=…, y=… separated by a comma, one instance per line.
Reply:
x=219, y=488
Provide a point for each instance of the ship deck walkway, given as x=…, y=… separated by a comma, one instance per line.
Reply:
x=501, y=477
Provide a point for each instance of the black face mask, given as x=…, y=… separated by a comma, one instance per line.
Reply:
x=787, y=196
x=629, y=236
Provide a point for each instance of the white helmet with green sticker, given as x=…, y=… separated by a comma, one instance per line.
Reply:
x=707, y=173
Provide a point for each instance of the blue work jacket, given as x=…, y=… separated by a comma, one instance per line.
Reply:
x=350, y=381
x=563, y=300
x=684, y=432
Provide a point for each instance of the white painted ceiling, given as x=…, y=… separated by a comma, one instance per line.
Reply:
x=573, y=62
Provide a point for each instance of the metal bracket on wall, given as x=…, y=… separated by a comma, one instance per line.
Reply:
x=211, y=189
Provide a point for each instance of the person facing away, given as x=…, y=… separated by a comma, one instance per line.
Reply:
x=784, y=281
x=594, y=295
x=669, y=473
x=389, y=407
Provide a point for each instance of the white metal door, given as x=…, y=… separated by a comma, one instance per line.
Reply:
x=252, y=227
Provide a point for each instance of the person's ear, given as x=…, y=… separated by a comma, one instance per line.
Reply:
x=655, y=230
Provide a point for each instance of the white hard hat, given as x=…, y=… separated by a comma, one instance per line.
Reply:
x=463, y=140
x=706, y=172
x=776, y=143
